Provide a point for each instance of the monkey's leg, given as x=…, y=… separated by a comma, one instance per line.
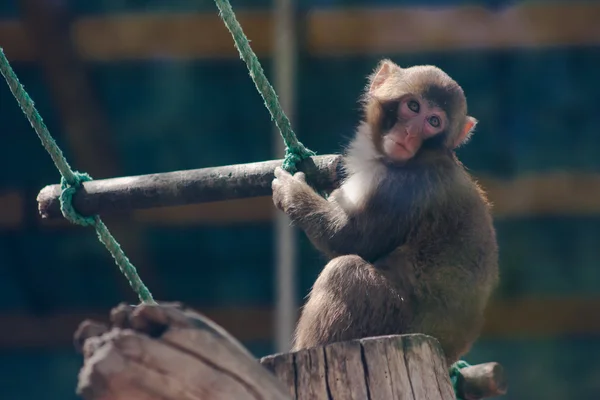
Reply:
x=453, y=317
x=350, y=299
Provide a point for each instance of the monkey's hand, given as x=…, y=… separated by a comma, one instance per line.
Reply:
x=289, y=190
x=322, y=221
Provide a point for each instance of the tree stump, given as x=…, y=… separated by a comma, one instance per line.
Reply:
x=168, y=352
x=387, y=367
x=410, y=367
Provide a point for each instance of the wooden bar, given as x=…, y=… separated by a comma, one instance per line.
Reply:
x=121, y=195
x=481, y=381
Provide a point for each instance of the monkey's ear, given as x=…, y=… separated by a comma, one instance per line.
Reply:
x=382, y=73
x=466, y=132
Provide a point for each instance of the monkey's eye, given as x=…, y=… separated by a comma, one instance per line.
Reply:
x=435, y=121
x=413, y=106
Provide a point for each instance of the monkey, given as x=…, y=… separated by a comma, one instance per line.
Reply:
x=408, y=234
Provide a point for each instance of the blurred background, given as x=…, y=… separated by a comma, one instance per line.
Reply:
x=133, y=87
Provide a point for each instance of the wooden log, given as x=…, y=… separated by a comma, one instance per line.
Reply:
x=118, y=195
x=168, y=351
x=481, y=381
x=387, y=367
x=410, y=367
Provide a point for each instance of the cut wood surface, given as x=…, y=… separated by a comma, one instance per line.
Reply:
x=168, y=352
x=407, y=367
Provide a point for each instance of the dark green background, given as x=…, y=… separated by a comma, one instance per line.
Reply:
x=537, y=112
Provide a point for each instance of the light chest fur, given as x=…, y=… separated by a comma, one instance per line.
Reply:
x=358, y=188
x=364, y=170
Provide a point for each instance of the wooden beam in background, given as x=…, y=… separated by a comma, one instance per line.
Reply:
x=219, y=213
x=519, y=318
x=12, y=210
x=359, y=31
x=27, y=331
x=542, y=317
x=142, y=36
x=421, y=29
x=15, y=42
x=240, y=211
x=552, y=193
x=559, y=193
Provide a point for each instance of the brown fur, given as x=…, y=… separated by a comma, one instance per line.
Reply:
x=412, y=247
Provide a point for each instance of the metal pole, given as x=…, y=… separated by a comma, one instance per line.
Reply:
x=285, y=238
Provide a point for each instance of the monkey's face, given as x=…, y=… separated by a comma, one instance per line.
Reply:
x=406, y=123
x=412, y=108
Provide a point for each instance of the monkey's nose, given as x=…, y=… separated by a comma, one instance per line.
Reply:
x=411, y=130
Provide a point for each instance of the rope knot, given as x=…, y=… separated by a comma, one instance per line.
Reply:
x=455, y=373
x=290, y=161
x=293, y=155
x=66, y=199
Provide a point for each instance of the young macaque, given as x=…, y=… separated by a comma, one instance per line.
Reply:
x=408, y=234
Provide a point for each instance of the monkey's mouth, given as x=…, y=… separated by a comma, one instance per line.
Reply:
x=401, y=145
x=396, y=149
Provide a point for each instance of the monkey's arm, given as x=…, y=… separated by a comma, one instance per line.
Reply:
x=325, y=223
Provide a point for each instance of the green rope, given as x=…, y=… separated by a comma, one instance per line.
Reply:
x=71, y=181
x=455, y=373
x=294, y=150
